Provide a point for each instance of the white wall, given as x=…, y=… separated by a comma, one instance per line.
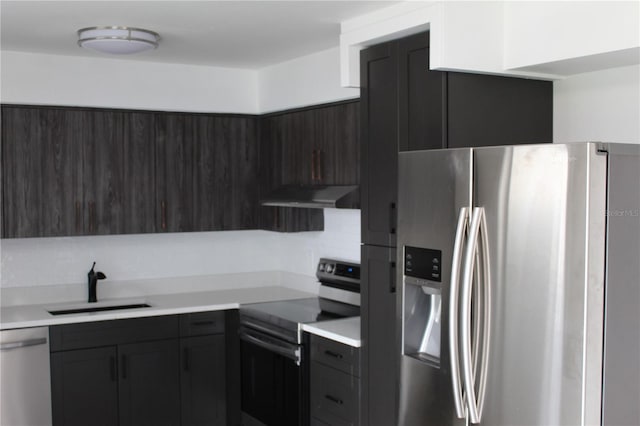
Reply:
x=309, y=80
x=30, y=78
x=540, y=34
x=598, y=106
x=55, y=261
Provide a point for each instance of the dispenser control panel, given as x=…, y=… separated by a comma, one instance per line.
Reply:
x=423, y=263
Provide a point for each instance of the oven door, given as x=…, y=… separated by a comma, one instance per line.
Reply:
x=272, y=380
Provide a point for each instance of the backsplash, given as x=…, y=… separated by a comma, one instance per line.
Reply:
x=66, y=260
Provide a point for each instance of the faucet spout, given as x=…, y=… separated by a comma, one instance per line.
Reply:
x=93, y=278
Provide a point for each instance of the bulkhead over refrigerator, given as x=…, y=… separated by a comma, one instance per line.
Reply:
x=520, y=294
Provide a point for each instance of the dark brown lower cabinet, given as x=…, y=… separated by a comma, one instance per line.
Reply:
x=149, y=383
x=134, y=384
x=334, y=383
x=147, y=371
x=379, y=349
x=84, y=385
x=202, y=380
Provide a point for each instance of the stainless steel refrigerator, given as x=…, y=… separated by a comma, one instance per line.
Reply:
x=520, y=295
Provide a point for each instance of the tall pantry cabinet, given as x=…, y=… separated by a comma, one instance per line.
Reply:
x=405, y=106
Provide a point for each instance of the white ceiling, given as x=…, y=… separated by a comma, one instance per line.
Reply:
x=236, y=34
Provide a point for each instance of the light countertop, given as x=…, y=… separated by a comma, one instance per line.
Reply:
x=161, y=304
x=345, y=330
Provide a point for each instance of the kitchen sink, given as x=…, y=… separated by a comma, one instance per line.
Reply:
x=89, y=308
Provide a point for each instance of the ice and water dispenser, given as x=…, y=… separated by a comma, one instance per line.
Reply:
x=422, y=278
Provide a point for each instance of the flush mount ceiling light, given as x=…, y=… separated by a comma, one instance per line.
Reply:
x=117, y=40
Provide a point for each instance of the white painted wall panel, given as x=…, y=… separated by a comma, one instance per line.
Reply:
x=56, y=261
x=29, y=78
x=539, y=32
x=598, y=106
x=309, y=80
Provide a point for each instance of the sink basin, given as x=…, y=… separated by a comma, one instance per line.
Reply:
x=93, y=307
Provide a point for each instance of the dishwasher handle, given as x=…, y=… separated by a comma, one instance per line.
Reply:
x=22, y=344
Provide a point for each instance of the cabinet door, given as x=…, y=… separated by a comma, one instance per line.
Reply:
x=422, y=97
x=225, y=170
x=379, y=349
x=207, y=169
x=138, y=163
x=202, y=380
x=85, y=387
x=149, y=385
x=286, y=156
x=174, y=162
x=103, y=172
x=379, y=143
x=41, y=172
x=486, y=110
x=243, y=157
x=337, y=149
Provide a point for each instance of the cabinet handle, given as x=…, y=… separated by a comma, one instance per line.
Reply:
x=92, y=216
x=333, y=354
x=78, y=217
x=276, y=219
x=187, y=360
x=392, y=218
x=114, y=369
x=163, y=215
x=334, y=399
x=123, y=366
x=392, y=277
x=313, y=166
x=319, y=176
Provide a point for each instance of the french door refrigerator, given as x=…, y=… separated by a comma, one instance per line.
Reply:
x=520, y=295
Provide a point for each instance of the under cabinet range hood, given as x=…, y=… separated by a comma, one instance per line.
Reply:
x=315, y=196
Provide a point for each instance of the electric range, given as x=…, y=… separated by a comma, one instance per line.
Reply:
x=274, y=350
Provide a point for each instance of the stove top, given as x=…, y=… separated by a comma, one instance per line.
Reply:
x=284, y=318
x=340, y=283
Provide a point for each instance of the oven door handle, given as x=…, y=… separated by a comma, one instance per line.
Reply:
x=282, y=348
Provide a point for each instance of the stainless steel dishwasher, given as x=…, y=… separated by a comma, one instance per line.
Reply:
x=25, y=383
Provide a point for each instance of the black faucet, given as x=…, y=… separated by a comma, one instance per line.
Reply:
x=93, y=282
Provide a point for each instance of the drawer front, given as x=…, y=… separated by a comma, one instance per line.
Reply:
x=336, y=355
x=202, y=323
x=335, y=396
x=115, y=332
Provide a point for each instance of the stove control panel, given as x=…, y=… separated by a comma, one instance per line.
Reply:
x=338, y=272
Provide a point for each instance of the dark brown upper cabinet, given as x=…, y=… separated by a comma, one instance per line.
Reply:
x=207, y=168
x=379, y=143
x=41, y=172
x=87, y=171
x=72, y=171
x=337, y=150
x=485, y=110
x=421, y=97
x=310, y=146
x=79, y=171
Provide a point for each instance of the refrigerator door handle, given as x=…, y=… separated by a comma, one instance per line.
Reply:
x=486, y=313
x=461, y=232
x=479, y=252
